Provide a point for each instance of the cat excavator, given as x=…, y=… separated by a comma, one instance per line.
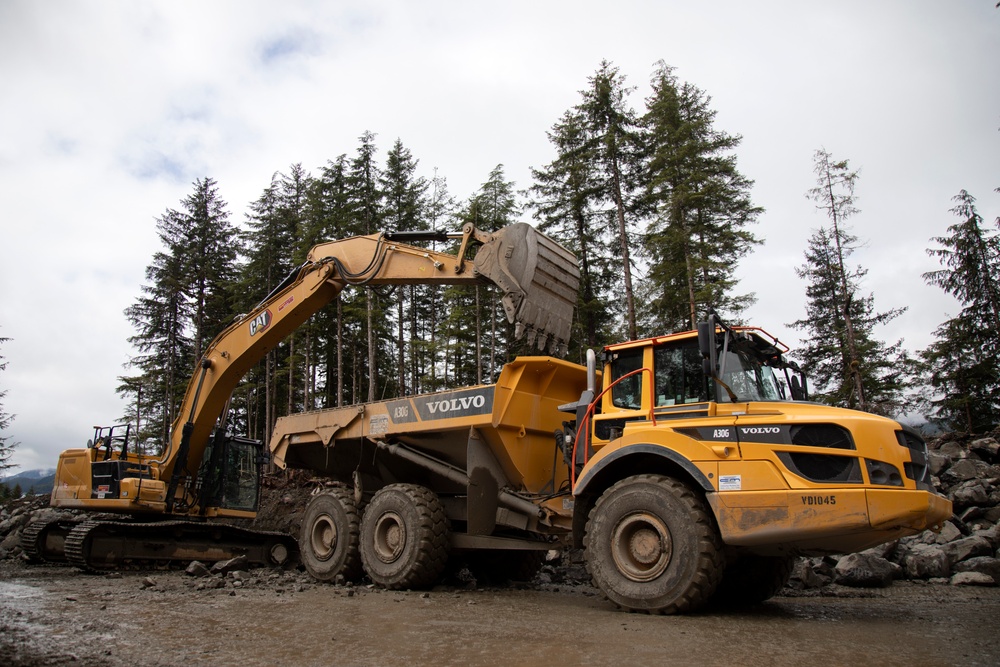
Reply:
x=179, y=506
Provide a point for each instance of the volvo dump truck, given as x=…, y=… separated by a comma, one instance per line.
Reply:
x=205, y=474
x=690, y=467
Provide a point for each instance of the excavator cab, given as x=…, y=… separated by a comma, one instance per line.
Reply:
x=230, y=473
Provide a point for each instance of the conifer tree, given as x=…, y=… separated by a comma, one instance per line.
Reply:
x=613, y=140
x=404, y=210
x=366, y=202
x=963, y=363
x=700, y=207
x=432, y=342
x=496, y=206
x=331, y=219
x=7, y=447
x=848, y=366
x=269, y=246
x=565, y=200
x=160, y=318
x=187, y=301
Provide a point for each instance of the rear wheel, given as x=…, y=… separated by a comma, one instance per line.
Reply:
x=404, y=537
x=651, y=545
x=329, y=537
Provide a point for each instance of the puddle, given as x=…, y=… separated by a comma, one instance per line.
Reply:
x=12, y=591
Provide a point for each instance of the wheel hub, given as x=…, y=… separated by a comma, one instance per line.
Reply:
x=390, y=537
x=641, y=546
x=323, y=537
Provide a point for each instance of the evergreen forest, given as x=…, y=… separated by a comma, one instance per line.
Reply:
x=652, y=191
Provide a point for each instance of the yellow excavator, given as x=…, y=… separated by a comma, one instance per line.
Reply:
x=206, y=474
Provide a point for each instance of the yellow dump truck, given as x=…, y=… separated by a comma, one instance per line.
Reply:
x=688, y=468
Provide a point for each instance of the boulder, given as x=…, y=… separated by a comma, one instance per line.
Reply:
x=949, y=532
x=988, y=449
x=926, y=562
x=938, y=463
x=197, y=569
x=992, y=534
x=810, y=573
x=969, y=493
x=953, y=450
x=987, y=565
x=864, y=570
x=231, y=565
x=967, y=547
x=10, y=542
x=972, y=579
x=965, y=470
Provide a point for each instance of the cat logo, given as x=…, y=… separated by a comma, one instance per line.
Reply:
x=260, y=322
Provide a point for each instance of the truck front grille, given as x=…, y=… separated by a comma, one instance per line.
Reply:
x=918, y=468
x=823, y=468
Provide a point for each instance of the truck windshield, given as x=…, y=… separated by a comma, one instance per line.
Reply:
x=748, y=377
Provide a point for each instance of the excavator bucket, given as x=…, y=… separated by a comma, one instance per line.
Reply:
x=539, y=278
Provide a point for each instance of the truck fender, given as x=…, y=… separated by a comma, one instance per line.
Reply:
x=586, y=490
x=630, y=450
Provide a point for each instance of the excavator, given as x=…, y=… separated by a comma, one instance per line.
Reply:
x=180, y=506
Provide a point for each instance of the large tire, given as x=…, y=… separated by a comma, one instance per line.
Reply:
x=404, y=537
x=328, y=540
x=652, y=545
x=750, y=579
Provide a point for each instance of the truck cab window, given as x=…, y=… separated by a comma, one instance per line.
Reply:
x=679, y=375
x=627, y=394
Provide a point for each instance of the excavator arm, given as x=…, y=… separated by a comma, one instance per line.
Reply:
x=538, y=278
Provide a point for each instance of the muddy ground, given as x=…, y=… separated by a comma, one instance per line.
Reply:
x=52, y=615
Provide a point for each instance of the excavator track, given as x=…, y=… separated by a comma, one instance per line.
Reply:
x=96, y=546
x=43, y=541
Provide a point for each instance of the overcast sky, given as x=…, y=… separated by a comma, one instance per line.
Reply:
x=109, y=110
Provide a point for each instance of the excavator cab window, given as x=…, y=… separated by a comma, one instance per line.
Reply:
x=231, y=474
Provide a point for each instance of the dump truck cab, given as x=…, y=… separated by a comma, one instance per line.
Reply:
x=716, y=419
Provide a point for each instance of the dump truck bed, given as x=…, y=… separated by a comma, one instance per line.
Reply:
x=516, y=417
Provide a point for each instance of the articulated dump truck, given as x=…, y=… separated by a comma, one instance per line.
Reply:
x=689, y=468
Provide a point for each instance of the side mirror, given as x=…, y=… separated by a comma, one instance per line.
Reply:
x=796, y=388
x=706, y=344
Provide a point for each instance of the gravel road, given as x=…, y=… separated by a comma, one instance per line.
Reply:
x=57, y=616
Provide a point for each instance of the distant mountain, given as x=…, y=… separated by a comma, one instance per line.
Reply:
x=32, y=481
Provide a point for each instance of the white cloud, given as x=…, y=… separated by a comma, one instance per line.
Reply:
x=111, y=109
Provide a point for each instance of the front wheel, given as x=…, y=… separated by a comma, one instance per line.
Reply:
x=404, y=537
x=651, y=545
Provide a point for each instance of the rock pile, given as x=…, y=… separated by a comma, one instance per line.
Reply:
x=965, y=469
x=17, y=514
